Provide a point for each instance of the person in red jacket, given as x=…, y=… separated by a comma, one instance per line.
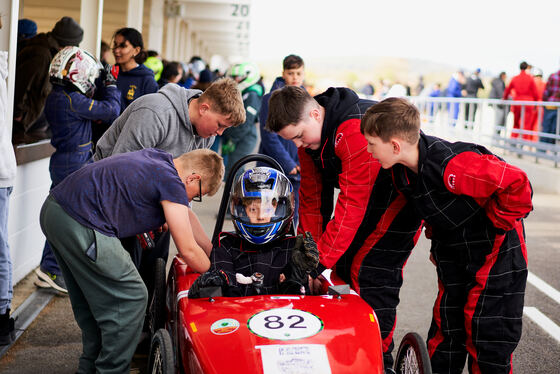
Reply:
x=472, y=203
x=538, y=113
x=374, y=228
x=522, y=87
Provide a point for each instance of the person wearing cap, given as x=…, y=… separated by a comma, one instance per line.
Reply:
x=205, y=79
x=26, y=30
x=32, y=71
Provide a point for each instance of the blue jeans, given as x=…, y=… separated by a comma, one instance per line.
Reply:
x=61, y=166
x=549, y=124
x=6, y=290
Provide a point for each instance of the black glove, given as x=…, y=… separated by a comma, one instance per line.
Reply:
x=305, y=258
x=107, y=76
x=214, y=278
x=305, y=254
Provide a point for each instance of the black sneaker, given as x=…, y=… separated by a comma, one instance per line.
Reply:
x=7, y=331
x=48, y=280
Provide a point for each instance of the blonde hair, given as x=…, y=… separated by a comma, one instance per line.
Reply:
x=225, y=98
x=208, y=164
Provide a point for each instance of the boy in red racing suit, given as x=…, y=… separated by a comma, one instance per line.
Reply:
x=473, y=204
x=373, y=229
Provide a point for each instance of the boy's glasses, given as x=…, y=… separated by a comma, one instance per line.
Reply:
x=198, y=198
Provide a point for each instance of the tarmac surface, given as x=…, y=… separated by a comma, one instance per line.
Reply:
x=52, y=343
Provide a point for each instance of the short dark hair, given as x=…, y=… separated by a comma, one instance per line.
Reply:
x=523, y=65
x=286, y=107
x=292, y=62
x=170, y=70
x=134, y=37
x=392, y=117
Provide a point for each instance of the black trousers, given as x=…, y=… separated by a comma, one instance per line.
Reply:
x=479, y=308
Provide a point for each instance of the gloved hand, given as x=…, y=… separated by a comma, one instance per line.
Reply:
x=107, y=76
x=214, y=278
x=305, y=254
x=305, y=258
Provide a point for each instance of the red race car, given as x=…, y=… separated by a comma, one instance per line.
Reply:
x=334, y=332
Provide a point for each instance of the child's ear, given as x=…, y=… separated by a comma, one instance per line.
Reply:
x=396, y=144
x=203, y=108
x=314, y=113
x=193, y=177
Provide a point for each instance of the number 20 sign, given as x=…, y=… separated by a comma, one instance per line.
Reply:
x=284, y=324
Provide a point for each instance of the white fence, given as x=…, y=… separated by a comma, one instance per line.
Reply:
x=490, y=122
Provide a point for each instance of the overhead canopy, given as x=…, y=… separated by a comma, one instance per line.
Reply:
x=222, y=25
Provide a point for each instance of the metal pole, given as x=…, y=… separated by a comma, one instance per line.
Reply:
x=556, y=140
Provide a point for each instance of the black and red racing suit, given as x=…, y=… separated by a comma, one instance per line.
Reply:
x=234, y=255
x=373, y=229
x=472, y=203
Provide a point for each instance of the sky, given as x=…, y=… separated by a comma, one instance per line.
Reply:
x=493, y=35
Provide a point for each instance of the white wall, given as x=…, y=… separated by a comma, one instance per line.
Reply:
x=24, y=232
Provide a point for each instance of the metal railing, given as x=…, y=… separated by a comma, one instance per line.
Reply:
x=490, y=122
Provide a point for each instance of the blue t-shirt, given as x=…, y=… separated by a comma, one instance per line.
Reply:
x=121, y=195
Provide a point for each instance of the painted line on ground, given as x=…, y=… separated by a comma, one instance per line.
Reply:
x=543, y=321
x=544, y=287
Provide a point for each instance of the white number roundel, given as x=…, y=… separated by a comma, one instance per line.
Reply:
x=284, y=324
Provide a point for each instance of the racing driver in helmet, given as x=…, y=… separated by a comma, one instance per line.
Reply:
x=262, y=256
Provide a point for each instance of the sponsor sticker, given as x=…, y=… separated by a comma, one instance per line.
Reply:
x=224, y=326
x=451, y=181
x=338, y=139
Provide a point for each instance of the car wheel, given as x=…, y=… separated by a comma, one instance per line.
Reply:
x=156, y=310
x=161, y=354
x=412, y=356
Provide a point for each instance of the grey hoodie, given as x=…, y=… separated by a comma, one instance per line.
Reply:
x=159, y=120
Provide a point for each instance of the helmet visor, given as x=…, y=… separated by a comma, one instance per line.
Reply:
x=267, y=208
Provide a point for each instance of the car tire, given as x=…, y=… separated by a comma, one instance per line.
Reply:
x=161, y=354
x=412, y=356
x=157, y=309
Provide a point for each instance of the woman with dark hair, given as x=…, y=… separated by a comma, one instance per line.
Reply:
x=134, y=79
